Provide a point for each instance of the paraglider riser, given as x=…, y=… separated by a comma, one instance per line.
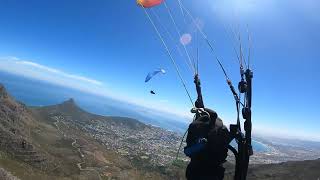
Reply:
x=244, y=151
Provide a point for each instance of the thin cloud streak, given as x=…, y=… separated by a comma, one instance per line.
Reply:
x=52, y=70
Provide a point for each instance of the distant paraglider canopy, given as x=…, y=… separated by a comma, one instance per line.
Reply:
x=153, y=73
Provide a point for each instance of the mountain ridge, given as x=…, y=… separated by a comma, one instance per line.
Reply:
x=31, y=141
x=70, y=108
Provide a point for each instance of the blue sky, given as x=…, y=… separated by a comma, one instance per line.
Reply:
x=107, y=48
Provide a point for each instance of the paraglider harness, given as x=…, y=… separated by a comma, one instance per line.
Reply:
x=244, y=151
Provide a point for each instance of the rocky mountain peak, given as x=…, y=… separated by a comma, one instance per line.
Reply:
x=69, y=106
x=70, y=102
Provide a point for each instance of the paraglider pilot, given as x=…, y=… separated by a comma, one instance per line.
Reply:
x=207, y=146
x=207, y=142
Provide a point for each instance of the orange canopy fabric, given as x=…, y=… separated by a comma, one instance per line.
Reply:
x=149, y=3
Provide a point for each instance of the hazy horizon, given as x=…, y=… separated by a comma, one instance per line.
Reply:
x=39, y=93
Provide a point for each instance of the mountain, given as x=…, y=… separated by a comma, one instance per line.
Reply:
x=24, y=146
x=293, y=170
x=15, y=140
x=64, y=141
x=73, y=113
x=148, y=148
x=303, y=170
x=54, y=142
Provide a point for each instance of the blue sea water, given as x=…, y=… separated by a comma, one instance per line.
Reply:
x=260, y=147
x=37, y=93
x=256, y=145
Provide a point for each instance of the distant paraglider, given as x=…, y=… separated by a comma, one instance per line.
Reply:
x=153, y=73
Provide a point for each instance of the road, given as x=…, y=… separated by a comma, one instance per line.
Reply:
x=73, y=144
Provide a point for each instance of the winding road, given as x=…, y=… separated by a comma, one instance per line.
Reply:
x=73, y=144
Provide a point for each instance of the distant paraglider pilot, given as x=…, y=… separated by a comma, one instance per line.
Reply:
x=207, y=146
x=152, y=92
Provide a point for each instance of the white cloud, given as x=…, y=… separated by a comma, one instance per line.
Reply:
x=58, y=72
x=30, y=69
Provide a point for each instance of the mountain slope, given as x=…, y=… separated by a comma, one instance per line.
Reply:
x=149, y=149
x=294, y=170
x=299, y=170
x=49, y=143
x=15, y=132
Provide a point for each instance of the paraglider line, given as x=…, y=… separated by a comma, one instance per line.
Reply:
x=206, y=39
x=178, y=152
x=198, y=60
x=241, y=53
x=171, y=37
x=185, y=22
x=232, y=41
x=250, y=46
x=179, y=33
x=184, y=16
x=169, y=54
